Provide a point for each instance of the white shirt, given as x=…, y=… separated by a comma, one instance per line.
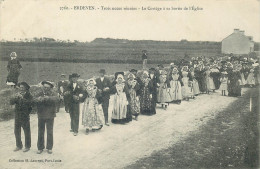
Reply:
x=101, y=78
x=74, y=85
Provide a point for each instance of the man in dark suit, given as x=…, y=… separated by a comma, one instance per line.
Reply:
x=23, y=107
x=103, y=84
x=75, y=94
x=46, y=102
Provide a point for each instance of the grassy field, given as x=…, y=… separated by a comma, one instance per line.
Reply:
x=103, y=49
x=35, y=72
x=231, y=140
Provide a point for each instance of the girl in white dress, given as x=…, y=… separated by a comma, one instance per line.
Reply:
x=209, y=81
x=175, y=87
x=186, y=88
x=223, y=86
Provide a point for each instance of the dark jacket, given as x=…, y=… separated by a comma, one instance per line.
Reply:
x=63, y=84
x=75, y=92
x=73, y=104
x=101, y=85
x=23, y=106
x=46, y=108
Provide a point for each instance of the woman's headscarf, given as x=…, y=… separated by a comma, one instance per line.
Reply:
x=120, y=76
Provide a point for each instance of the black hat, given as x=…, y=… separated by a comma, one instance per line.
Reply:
x=48, y=83
x=74, y=75
x=25, y=85
x=152, y=69
x=161, y=65
x=102, y=71
x=117, y=73
x=133, y=70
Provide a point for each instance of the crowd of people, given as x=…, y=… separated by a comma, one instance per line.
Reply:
x=132, y=93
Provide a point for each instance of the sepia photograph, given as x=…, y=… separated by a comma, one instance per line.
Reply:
x=129, y=84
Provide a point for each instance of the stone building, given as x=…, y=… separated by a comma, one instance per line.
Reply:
x=237, y=43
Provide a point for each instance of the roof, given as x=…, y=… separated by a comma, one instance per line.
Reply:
x=248, y=37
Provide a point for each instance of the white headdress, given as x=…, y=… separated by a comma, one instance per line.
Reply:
x=120, y=76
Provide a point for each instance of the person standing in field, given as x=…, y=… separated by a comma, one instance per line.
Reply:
x=23, y=107
x=103, y=84
x=46, y=102
x=13, y=67
x=75, y=95
x=144, y=58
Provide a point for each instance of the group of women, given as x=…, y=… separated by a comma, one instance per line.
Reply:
x=138, y=92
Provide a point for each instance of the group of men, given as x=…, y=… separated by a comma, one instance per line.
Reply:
x=47, y=103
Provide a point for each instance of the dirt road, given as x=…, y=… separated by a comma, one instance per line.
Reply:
x=115, y=146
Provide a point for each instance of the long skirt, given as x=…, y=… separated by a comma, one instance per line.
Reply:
x=134, y=103
x=243, y=80
x=12, y=77
x=163, y=95
x=195, y=87
x=234, y=88
x=92, y=113
x=175, y=90
x=120, y=111
x=186, y=91
x=210, y=83
x=251, y=79
x=147, y=104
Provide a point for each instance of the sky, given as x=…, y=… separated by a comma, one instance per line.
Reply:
x=43, y=18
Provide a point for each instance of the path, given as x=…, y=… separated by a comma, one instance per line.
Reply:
x=115, y=146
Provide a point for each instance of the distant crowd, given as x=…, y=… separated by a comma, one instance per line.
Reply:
x=132, y=92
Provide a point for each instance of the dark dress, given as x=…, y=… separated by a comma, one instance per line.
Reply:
x=201, y=78
x=148, y=104
x=13, y=69
x=133, y=87
x=234, y=88
x=216, y=78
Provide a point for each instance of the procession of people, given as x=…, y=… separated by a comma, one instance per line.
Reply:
x=128, y=94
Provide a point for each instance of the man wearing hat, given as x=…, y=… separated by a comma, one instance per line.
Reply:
x=46, y=102
x=75, y=95
x=23, y=106
x=62, y=88
x=13, y=69
x=103, y=84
